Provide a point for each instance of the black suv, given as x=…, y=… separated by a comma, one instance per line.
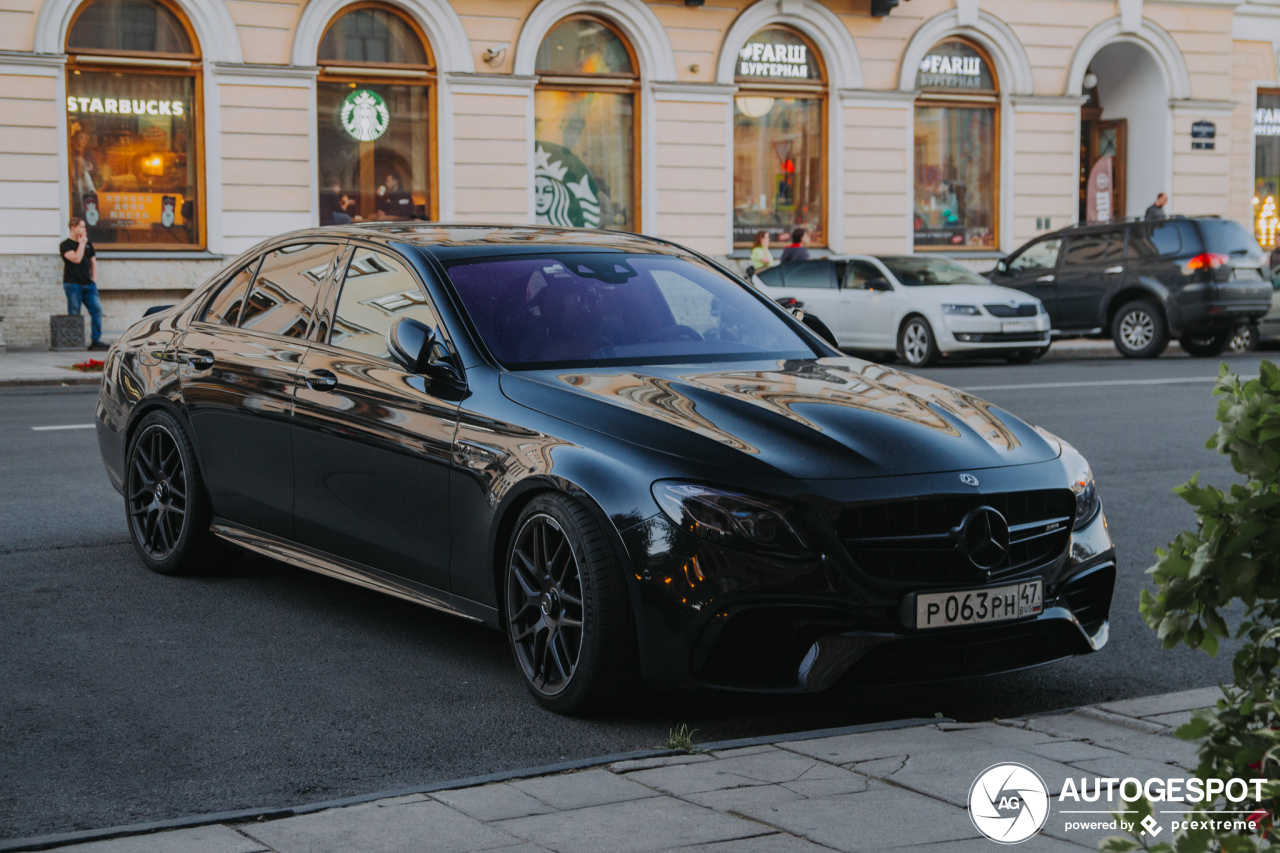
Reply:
x=1195, y=279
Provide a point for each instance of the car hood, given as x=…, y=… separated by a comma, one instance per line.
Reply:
x=812, y=419
x=971, y=294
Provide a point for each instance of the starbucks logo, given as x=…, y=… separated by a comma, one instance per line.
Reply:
x=565, y=194
x=364, y=115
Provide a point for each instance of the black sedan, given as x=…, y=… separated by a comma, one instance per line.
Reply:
x=633, y=463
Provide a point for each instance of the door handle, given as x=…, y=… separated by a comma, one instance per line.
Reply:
x=200, y=359
x=1114, y=269
x=321, y=380
x=1045, y=278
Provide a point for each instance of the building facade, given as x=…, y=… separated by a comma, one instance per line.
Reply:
x=185, y=131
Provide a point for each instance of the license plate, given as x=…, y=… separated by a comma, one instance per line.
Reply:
x=1018, y=326
x=979, y=606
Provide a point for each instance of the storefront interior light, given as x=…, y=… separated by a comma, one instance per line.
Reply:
x=754, y=106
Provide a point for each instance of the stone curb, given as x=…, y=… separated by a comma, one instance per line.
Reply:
x=44, y=842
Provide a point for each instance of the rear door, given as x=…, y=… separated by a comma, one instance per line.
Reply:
x=1092, y=266
x=372, y=442
x=1034, y=270
x=237, y=376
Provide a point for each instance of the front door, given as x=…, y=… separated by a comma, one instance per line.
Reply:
x=237, y=375
x=867, y=312
x=372, y=442
x=1034, y=271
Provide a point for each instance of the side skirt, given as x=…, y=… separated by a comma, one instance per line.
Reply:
x=356, y=573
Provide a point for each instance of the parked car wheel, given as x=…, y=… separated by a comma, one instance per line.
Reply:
x=1206, y=345
x=1139, y=330
x=567, y=613
x=167, y=509
x=916, y=344
x=1025, y=356
x=1244, y=339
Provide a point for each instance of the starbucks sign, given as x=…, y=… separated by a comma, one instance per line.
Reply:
x=364, y=115
x=565, y=193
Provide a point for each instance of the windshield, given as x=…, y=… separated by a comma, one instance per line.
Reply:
x=580, y=309
x=927, y=272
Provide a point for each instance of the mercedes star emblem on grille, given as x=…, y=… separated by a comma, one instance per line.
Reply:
x=984, y=538
x=969, y=480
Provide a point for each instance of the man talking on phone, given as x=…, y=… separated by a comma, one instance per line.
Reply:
x=79, y=279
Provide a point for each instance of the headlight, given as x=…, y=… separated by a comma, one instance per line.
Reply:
x=966, y=310
x=729, y=518
x=1086, y=491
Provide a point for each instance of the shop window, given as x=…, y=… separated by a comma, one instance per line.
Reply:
x=375, y=105
x=956, y=151
x=133, y=126
x=779, y=170
x=585, y=128
x=1266, y=168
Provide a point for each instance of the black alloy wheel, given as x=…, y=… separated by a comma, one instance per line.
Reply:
x=1244, y=339
x=916, y=343
x=1206, y=344
x=1139, y=330
x=567, y=612
x=165, y=503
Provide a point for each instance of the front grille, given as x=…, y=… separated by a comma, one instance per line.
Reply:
x=917, y=541
x=1026, y=309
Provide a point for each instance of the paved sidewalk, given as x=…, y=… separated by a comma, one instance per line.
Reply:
x=903, y=787
x=41, y=367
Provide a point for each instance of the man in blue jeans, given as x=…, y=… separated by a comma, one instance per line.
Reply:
x=79, y=278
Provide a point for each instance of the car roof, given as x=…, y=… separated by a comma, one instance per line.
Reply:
x=455, y=240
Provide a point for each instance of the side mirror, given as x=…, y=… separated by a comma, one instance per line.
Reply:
x=417, y=348
x=1002, y=266
x=878, y=284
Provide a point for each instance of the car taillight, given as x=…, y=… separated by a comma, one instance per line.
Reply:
x=1206, y=261
x=790, y=303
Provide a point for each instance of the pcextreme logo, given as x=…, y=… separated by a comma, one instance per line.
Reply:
x=1008, y=803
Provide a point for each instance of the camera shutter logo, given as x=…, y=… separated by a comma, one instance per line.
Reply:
x=1009, y=803
x=364, y=115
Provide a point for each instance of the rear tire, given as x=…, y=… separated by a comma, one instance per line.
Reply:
x=1206, y=345
x=1139, y=330
x=568, y=615
x=917, y=346
x=166, y=507
x=1244, y=339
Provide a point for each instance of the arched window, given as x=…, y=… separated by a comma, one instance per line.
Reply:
x=133, y=125
x=779, y=128
x=585, y=127
x=957, y=177
x=375, y=113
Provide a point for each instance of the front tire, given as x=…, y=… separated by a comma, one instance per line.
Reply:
x=1139, y=330
x=166, y=507
x=917, y=345
x=568, y=617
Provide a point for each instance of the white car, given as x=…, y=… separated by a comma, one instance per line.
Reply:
x=919, y=306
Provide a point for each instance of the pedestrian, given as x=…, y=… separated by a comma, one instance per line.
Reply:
x=79, y=279
x=1156, y=211
x=334, y=204
x=796, y=251
x=761, y=259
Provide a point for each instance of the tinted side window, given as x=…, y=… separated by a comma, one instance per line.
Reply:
x=224, y=309
x=284, y=293
x=1153, y=239
x=818, y=274
x=1085, y=249
x=772, y=277
x=1228, y=238
x=1038, y=256
x=378, y=290
x=860, y=272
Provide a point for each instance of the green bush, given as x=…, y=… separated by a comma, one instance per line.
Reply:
x=1232, y=558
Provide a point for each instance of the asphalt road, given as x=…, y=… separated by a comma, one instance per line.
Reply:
x=126, y=696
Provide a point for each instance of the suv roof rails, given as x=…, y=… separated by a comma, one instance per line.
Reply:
x=1127, y=219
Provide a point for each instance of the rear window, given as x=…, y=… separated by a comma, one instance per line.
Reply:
x=1228, y=238
x=1169, y=237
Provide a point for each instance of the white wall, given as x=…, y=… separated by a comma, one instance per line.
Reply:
x=1131, y=86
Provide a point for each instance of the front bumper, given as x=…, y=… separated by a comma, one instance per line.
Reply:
x=983, y=332
x=712, y=617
